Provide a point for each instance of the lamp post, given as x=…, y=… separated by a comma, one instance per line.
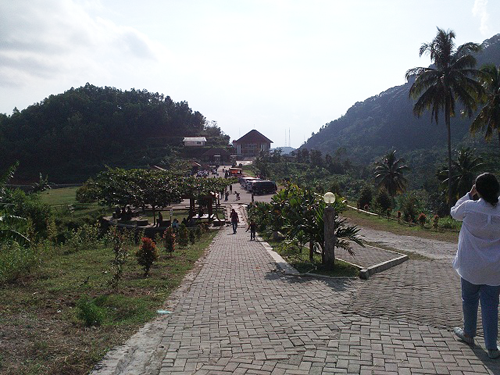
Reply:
x=329, y=230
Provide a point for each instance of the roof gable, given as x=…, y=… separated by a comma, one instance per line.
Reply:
x=253, y=136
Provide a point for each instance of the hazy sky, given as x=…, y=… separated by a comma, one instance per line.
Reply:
x=279, y=66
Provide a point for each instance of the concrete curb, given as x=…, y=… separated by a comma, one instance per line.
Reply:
x=365, y=273
x=280, y=262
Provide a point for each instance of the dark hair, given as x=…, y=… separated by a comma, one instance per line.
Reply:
x=487, y=185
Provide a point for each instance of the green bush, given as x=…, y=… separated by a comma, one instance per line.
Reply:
x=365, y=200
x=16, y=260
x=30, y=207
x=183, y=235
x=383, y=201
x=89, y=312
x=169, y=238
x=147, y=254
x=192, y=236
x=85, y=237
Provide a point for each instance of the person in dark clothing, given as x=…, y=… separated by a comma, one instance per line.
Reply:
x=234, y=220
x=160, y=219
x=253, y=228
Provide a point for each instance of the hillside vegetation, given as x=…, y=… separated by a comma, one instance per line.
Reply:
x=72, y=136
x=386, y=121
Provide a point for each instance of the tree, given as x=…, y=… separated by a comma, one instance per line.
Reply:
x=488, y=118
x=465, y=169
x=298, y=213
x=449, y=79
x=389, y=174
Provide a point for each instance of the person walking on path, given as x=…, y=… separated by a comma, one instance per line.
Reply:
x=477, y=260
x=252, y=227
x=234, y=220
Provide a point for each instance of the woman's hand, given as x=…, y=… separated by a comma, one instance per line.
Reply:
x=473, y=190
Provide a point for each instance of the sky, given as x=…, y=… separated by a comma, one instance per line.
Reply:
x=283, y=67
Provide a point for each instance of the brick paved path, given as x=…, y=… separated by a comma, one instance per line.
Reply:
x=241, y=316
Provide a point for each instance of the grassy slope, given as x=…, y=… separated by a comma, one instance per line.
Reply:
x=383, y=224
x=40, y=332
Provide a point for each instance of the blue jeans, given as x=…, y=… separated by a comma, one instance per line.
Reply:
x=488, y=295
x=235, y=225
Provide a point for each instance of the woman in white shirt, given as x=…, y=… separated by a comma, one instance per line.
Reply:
x=478, y=260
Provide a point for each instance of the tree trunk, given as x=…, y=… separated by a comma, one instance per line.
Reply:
x=311, y=250
x=448, y=128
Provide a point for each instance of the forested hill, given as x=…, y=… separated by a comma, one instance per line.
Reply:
x=370, y=128
x=71, y=136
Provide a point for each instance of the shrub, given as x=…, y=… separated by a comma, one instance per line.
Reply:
x=85, y=237
x=199, y=232
x=192, y=236
x=30, y=207
x=421, y=219
x=147, y=254
x=435, y=222
x=365, y=200
x=383, y=201
x=16, y=260
x=89, y=312
x=121, y=254
x=410, y=206
x=183, y=235
x=169, y=240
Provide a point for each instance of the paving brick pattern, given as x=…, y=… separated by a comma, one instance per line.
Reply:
x=241, y=316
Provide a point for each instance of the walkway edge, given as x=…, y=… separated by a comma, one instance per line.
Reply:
x=365, y=273
x=280, y=262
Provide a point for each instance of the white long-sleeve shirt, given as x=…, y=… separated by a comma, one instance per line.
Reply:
x=478, y=256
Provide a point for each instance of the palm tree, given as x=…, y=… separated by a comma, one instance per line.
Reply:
x=449, y=79
x=488, y=118
x=389, y=174
x=465, y=169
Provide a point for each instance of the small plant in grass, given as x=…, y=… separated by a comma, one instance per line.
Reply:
x=169, y=240
x=147, y=254
x=183, y=235
x=435, y=222
x=89, y=312
x=192, y=237
x=421, y=219
x=399, y=217
x=199, y=232
x=158, y=239
x=121, y=254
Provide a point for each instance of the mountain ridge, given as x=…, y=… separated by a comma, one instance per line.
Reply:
x=384, y=121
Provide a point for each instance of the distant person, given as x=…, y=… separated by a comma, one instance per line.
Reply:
x=234, y=220
x=160, y=219
x=227, y=196
x=175, y=224
x=253, y=228
x=231, y=188
x=478, y=260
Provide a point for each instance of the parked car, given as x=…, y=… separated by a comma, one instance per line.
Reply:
x=264, y=187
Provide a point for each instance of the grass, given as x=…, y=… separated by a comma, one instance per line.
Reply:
x=40, y=329
x=299, y=259
x=57, y=197
x=384, y=224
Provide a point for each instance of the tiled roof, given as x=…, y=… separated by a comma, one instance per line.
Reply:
x=253, y=136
